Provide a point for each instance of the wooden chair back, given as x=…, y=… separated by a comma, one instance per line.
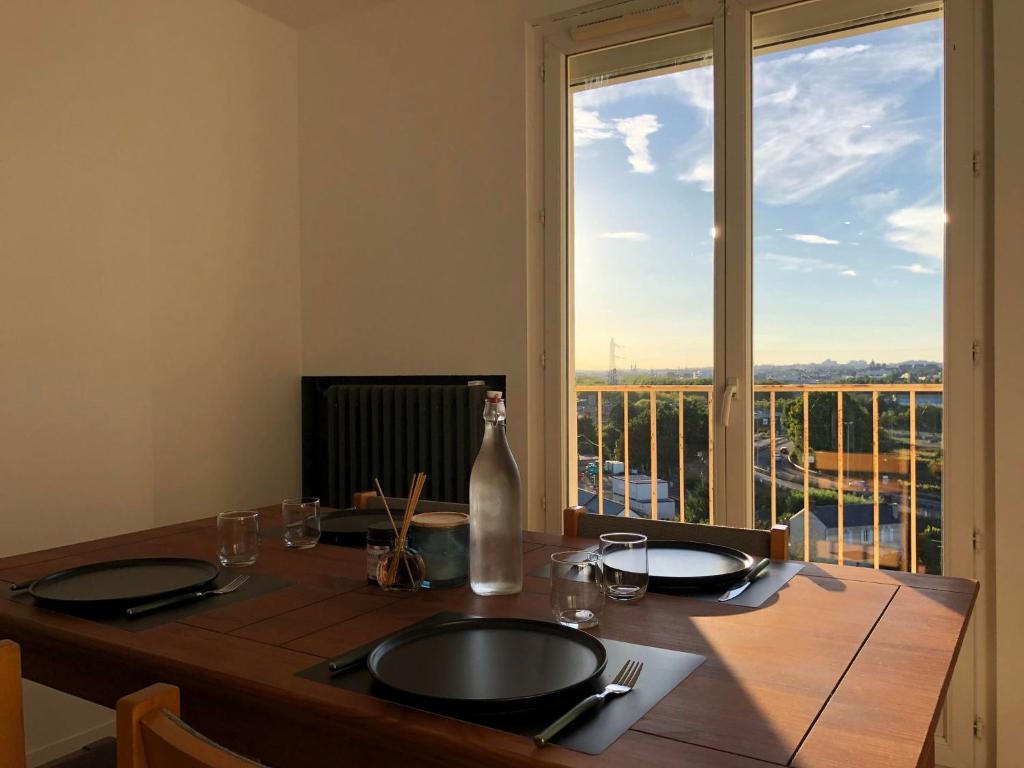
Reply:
x=371, y=501
x=12, y=718
x=774, y=544
x=150, y=735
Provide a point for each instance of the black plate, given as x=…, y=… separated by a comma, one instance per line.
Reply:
x=494, y=664
x=692, y=565
x=117, y=583
x=347, y=527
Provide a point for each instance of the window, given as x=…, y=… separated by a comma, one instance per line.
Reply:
x=730, y=349
x=823, y=304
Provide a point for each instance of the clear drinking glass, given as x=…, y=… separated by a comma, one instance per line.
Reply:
x=238, y=537
x=624, y=559
x=577, y=594
x=301, y=520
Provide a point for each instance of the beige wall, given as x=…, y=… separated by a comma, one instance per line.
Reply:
x=1009, y=375
x=414, y=177
x=150, y=336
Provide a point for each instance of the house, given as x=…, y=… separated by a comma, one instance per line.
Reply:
x=858, y=534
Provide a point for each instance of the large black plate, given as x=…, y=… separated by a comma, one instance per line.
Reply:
x=347, y=527
x=117, y=583
x=692, y=565
x=494, y=664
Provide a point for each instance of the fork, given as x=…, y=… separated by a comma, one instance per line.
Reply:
x=623, y=683
x=156, y=605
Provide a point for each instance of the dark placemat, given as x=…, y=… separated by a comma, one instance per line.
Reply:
x=775, y=577
x=593, y=733
x=257, y=585
x=772, y=579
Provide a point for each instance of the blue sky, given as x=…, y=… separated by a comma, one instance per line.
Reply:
x=847, y=207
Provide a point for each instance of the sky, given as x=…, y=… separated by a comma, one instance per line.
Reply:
x=848, y=212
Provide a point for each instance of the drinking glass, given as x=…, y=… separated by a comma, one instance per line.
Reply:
x=238, y=538
x=301, y=519
x=577, y=595
x=624, y=558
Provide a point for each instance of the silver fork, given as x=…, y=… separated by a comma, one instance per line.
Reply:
x=623, y=683
x=156, y=605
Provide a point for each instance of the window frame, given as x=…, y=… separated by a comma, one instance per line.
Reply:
x=967, y=282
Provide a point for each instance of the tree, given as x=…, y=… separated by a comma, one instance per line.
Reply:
x=695, y=417
x=586, y=436
x=822, y=430
x=612, y=436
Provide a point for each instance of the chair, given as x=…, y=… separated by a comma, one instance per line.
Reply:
x=150, y=735
x=773, y=544
x=370, y=500
x=100, y=754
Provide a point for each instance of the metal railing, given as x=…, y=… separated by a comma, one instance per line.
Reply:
x=836, y=461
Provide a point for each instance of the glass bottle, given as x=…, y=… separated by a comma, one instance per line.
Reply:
x=495, y=510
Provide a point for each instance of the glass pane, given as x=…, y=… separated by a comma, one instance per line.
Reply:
x=643, y=276
x=848, y=290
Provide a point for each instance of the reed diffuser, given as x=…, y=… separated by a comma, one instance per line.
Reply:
x=402, y=569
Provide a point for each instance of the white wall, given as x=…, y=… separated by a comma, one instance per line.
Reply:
x=150, y=340
x=413, y=136
x=1009, y=375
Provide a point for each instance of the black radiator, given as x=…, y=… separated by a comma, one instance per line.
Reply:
x=356, y=429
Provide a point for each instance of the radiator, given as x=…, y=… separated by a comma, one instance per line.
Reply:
x=390, y=432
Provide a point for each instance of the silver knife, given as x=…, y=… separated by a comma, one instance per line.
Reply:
x=754, y=572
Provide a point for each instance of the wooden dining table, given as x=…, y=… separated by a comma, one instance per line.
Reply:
x=843, y=666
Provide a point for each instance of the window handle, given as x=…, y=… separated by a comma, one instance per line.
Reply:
x=732, y=386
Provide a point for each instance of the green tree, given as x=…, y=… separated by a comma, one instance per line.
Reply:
x=822, y=430
x=586, y=436
x=695, y=417
x=612, y=436
x=696, y=506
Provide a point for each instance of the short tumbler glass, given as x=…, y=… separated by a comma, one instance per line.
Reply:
x=577, y=594
x=624, y=558
x=238, y=538
x=301, y=521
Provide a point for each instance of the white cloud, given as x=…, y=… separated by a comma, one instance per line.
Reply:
x=916, y=269
x=873, y=200
x=849, y=273
x=637, y=237
x=702, y=173
x=817, y=122
x=588, y=127
x=919, y=229
x=634, y=132
x=813, y=239
x=805, y=264
x=697, y=88
x=833, y=52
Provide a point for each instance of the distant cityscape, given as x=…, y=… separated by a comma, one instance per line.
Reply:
x=825, y=372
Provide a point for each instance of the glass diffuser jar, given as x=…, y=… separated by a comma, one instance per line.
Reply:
x=401, y=570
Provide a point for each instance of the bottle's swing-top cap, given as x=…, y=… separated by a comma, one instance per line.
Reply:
x=494, y=394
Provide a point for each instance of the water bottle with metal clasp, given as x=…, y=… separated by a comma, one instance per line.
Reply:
x=495, y=510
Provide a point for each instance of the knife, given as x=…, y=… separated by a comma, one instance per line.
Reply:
x=738, y=589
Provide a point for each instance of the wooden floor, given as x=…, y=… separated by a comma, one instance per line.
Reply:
x=845, y=666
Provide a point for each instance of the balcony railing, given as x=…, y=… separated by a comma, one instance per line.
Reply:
x=847, y=470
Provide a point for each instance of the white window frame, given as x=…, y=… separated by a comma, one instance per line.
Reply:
x=967, y=280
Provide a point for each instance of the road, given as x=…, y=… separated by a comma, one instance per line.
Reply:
x=790, y=476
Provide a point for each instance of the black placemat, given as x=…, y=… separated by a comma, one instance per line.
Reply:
x=592, y=734
x=775, y=577
x=257, y=585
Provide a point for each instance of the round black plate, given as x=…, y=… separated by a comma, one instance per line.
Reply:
x=490, y=663
x=692, y=564
x=347, y=527
x=126, y=582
